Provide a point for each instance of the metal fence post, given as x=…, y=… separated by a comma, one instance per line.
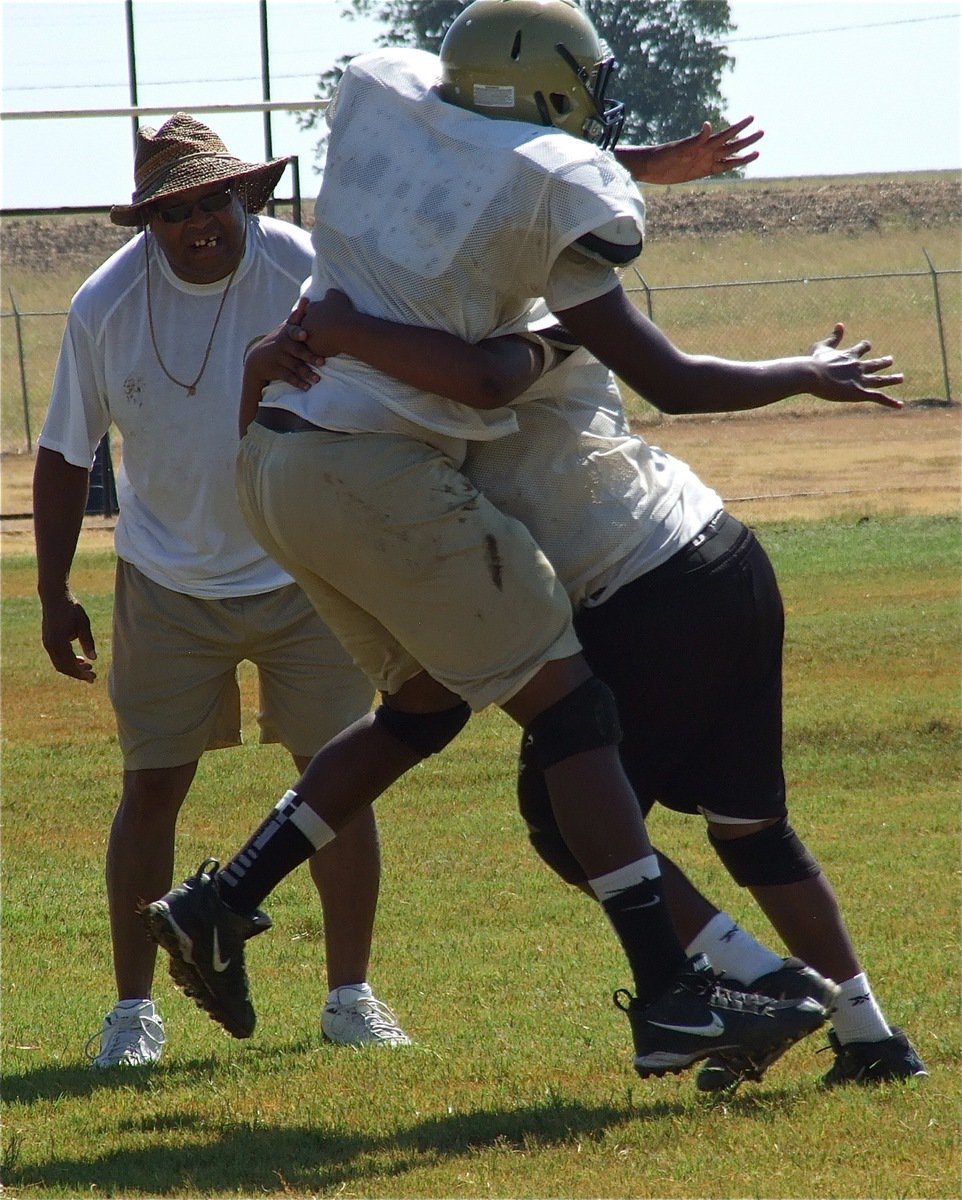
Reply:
x=23, y=369
x=647, y=290
x=938, y=318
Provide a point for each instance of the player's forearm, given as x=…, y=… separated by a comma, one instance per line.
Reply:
x=688, y=383
x=483, y=376
x=718, y=385
x=59, y=502
x=652, y=164
x=673, y=381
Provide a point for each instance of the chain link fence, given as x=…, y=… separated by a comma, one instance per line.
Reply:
x=914, y=315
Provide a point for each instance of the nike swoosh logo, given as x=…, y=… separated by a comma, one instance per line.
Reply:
x=218, y=963
x=647, y=904
x=715, y=1028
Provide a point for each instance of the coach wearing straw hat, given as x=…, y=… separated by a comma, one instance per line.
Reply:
x=154, y=346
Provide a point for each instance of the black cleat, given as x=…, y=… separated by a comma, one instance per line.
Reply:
x=205, y=940
x=697, y=1018
x=792, y=980
x=890, y=1059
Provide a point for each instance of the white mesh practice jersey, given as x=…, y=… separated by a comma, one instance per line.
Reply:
x=434, y=216
x=601, y=503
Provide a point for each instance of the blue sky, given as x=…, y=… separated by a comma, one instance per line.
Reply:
x=840, y=88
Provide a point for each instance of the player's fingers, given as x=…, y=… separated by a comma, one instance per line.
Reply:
x=735, y=147
x=883, y=381
x=870, y=365
x=296, y=382
x=742, y=161
x=859, y=348
x=884, y=400
x=731, y=131
x=302, y=353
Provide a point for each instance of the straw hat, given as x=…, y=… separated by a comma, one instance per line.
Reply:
x=184, y=153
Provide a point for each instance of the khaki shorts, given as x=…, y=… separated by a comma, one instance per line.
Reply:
x=173, y=674
x=405, y=560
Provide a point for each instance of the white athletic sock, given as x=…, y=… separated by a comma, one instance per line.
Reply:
x=350, y=993
x=857, y=1016
x=605, y=887
x=733, y=951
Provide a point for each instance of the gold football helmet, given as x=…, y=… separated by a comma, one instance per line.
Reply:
x=539, y=61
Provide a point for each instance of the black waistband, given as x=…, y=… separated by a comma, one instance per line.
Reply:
x=722, y=533
x=280, y=420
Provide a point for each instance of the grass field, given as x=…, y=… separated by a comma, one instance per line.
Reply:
x=520, y=1083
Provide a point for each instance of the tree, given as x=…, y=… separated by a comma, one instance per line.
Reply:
x=672, y=55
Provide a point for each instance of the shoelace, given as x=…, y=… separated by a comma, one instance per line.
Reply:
x=707, y=985
x=124, y=1036
x=376, y=1016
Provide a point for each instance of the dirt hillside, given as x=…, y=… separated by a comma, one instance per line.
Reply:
x=848, y=205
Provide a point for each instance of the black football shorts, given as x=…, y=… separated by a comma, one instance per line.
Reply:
x=693, y=653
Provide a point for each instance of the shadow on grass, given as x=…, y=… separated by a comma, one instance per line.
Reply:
x=80, y=1079
x=252, y=1157
x=50, y=1083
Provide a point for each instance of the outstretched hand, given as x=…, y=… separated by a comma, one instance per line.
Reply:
x=694, y=157
x=847, y=375
x=715, y=153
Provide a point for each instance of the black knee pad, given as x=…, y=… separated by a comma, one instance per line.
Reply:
x=774, y=855
x=543, y=832
x=424, y=733
x=585, y=719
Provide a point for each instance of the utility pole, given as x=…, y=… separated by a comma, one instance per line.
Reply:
x=132, y=66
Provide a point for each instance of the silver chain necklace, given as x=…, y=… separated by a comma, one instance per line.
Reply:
x=190, y=388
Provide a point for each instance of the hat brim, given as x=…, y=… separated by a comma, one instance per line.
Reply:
x=258, y=180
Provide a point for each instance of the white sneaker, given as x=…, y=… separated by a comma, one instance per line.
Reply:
x=354, y=1017
x=132, y=1036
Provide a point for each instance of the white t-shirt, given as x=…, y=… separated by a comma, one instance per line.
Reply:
x=434, y=216
x=179, y=521
x=603, y=505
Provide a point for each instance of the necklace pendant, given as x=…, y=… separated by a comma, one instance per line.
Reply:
x=192, y=391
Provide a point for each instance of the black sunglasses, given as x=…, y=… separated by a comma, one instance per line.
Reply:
x=208, y=204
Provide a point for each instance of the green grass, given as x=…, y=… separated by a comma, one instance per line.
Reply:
x=520, y=1083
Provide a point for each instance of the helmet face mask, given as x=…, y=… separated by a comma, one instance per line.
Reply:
x=539, y=61
x=605, y=125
